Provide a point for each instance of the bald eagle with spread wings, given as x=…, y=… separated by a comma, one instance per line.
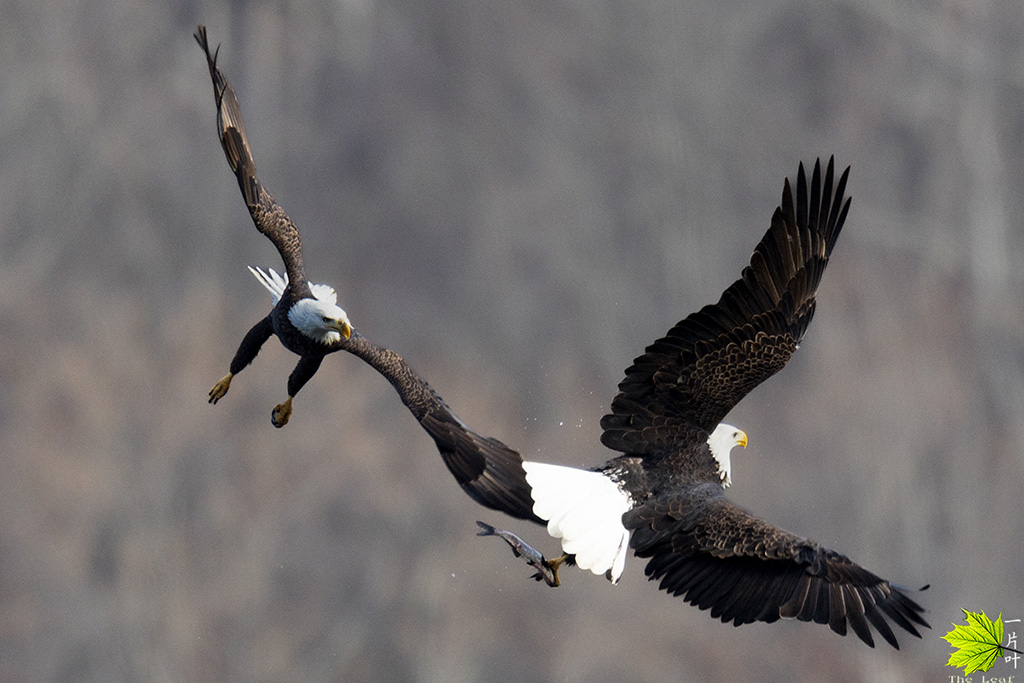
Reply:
x=305, y=317
x=664, y=494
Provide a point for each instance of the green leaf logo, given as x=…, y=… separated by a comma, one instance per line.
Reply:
x=977, y=644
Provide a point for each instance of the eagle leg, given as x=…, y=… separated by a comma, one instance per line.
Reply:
x=247, y=351
x=303, y=372
x=281, y=413
x=221, y=388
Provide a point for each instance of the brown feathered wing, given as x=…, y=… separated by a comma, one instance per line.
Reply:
x=267, y=214
x=696, y=373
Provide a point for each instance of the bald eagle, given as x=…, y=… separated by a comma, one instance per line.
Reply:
x=663, y=495
x=305, y=317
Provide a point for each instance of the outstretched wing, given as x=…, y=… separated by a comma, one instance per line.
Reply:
x=694, y=375
x=266, y=213
x=718, y=557
x=490, y=472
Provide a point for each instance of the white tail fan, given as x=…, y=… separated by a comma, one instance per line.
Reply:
x=585, y=510
x=276, y=284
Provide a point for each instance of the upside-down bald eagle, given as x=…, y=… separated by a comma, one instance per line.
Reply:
x=305, y=317
x=664, y=495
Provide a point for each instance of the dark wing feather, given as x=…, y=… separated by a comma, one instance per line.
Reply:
x=743, y=569
x=708, y=362
x=490, y=472
x=267, y=214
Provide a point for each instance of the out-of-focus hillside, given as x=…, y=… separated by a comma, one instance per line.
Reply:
x=518, y=197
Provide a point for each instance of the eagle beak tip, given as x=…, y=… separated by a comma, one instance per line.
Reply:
x=342, y=327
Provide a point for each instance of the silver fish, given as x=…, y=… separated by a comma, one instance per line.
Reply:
x=547, y=570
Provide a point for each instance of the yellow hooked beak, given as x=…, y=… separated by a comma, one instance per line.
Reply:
x=342, y=327
x=741, y=438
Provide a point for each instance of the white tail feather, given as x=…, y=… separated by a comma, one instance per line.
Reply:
x=585, y=510
x=276, y=284
x=324, y=293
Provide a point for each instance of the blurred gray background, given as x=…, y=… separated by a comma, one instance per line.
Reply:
x=517, y=196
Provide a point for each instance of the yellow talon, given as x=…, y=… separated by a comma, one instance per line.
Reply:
x=554, y=565
x=220, y=388
x=281, y=413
